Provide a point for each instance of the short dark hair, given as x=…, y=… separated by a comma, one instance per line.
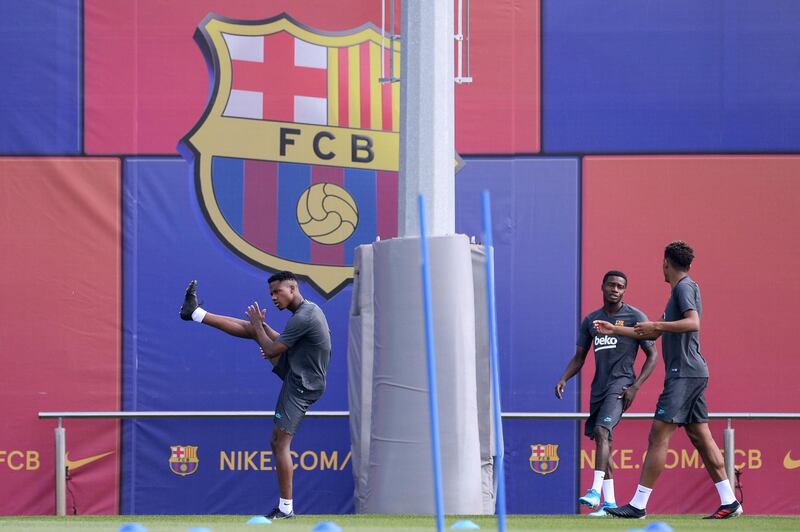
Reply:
x=679, y=254
x=282, y=276
x=615, y=273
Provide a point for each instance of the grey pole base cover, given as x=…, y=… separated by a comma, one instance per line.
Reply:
x=388, y=391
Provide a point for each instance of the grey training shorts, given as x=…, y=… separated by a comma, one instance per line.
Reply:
x=293, y=403
x=683, y=401
x=604, y=413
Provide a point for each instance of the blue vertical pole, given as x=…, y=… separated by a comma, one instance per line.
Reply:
x=429, y=345
x=494, y=358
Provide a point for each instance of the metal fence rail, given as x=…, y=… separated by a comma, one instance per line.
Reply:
x=61, y=437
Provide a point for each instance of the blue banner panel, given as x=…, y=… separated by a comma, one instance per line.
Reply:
x=171, y=364
x=632, y=76
x=41, y=93
x=540, y=461
x=215, y=466
x=535, y=215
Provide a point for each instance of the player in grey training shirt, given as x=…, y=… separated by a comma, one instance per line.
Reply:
x=299, y=356
x=682, y=403
x=615, y=384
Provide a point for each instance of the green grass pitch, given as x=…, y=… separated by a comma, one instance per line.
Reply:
x=381, y=523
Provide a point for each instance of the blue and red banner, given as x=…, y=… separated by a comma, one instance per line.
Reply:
x=289, y=158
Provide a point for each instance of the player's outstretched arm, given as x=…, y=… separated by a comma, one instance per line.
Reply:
x=607, y=328
x=689, y=323
x=573, y=367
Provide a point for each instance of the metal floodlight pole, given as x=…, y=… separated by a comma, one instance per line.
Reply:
x=427, y=124
x=433, y=402
x=494, y=358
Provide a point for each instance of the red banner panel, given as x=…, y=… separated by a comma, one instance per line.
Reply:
x=60, y=310
x=740, y=213
x=147, y=84
x=499, y=112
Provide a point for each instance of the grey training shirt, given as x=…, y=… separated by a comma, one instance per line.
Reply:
x=307, y=336
x=613, y=354
x=682, y=356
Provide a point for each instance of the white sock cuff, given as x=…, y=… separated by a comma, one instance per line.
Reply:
x=198, y=315
x=641, y=497
x=597, y=483
x=725, y=491
x=608, y=490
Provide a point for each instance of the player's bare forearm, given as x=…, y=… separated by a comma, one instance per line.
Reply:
x=649, y=365
x=620, y=330
x=262, y=337
x=689, y=323
x=266, y=344
x=271, y=333
x=269, y=348
x=573, y=367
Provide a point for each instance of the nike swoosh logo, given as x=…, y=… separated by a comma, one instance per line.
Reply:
x=788, y=463
x=75, y=464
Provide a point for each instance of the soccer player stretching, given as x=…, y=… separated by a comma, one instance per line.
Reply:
x=299, y=356
x=615, y=384
x=682, y=403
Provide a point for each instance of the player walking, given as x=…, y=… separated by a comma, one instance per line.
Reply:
x=682, y=403
x=615, y=384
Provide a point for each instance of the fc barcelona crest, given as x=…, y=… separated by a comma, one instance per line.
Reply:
x=183, y=459
x=544, y=458
x=296, y=155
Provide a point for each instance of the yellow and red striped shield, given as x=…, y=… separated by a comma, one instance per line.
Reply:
x=296, y=155
x=544, y=458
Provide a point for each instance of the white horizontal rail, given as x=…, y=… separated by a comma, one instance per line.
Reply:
x=345, y=413
x=61, y=445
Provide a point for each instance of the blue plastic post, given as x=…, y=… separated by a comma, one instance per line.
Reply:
x=494, y=359
x=429, y=345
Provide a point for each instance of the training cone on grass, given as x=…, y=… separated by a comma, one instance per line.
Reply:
x=133, y=527
x=465, y=524
x=326, y=526
x=199, y=529
x=258, y=520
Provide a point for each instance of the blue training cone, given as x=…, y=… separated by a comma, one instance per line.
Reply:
x=658, y=526
x=258, y=520
x=465, y=524
x=326, y=526
x=199, y=529
x=133, y=527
